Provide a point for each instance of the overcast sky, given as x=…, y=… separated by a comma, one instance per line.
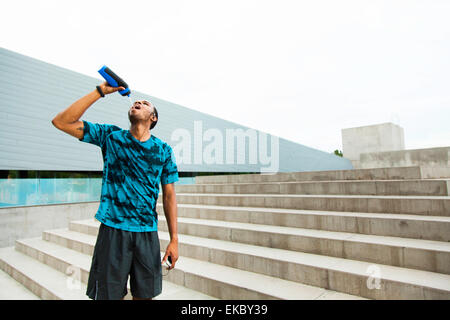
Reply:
x=301, y=70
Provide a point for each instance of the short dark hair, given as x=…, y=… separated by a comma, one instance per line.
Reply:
x=156, y=114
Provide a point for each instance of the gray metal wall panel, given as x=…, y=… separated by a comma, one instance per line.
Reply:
x=32, y=92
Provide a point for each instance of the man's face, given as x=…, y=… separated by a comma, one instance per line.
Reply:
x=141, y=111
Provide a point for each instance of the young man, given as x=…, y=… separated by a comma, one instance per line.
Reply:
x=134, y=163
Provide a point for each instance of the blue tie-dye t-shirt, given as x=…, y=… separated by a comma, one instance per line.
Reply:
x=132, y=172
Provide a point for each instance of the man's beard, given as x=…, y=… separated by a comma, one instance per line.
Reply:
x=134, y=118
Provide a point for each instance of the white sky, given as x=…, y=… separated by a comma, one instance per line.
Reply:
x=301, y=70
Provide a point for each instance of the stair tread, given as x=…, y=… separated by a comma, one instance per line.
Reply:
x=49, y=278
x=412, y=276
x=319, y=181
x=333, y=235
x=275, y=287
x=424, y=278
x=170, y=291
x=386, y=172
x=73, y=235
x=264, y=195
x=13, y=290
x=407, y=187
x=252, y=281
x=319, y=212
x=382, y=240
x=68, y=255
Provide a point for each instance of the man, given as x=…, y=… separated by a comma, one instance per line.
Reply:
x=134, y=163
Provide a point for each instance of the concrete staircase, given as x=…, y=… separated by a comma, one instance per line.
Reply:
x=348, y=234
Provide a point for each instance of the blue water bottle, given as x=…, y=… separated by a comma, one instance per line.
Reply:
x=114, y=80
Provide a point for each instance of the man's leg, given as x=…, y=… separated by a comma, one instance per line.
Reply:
x=146, y=272
x=110, y=264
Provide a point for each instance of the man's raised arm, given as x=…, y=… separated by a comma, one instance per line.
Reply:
x=69, y=119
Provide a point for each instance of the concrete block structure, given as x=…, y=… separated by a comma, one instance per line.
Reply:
x=429, y=157
x=383, y=146
x=373, y=138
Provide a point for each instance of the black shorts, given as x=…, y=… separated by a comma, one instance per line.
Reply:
x=119, y=253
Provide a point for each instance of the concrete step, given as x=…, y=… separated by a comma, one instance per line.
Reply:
x=172, y=291
x=76, y=265
x=418, y=254
x=235, y=284
x=13, y=290
x=395, y=225
x=340, y=275
x=425, y=255
x=41, y=279
x=437, y=187
x=212, y=279
x=420, y=205
x=416, y=172
x=337, y=274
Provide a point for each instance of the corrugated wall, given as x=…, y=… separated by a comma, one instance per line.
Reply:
x=32, y=92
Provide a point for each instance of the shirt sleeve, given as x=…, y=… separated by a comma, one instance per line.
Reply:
x=170, y=171
x=96, y=133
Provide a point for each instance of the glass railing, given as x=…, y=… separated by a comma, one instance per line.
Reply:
x=27, y=192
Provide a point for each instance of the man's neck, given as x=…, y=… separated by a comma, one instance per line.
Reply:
x=140, y=131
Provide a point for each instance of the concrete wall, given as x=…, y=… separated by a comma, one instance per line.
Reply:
x=31, y=221
x=430, y=157
x=373, y=138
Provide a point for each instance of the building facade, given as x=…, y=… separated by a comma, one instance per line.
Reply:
x=32, y=92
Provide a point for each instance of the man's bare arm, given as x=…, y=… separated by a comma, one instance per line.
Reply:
x=171, y=213
x=69, y=119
